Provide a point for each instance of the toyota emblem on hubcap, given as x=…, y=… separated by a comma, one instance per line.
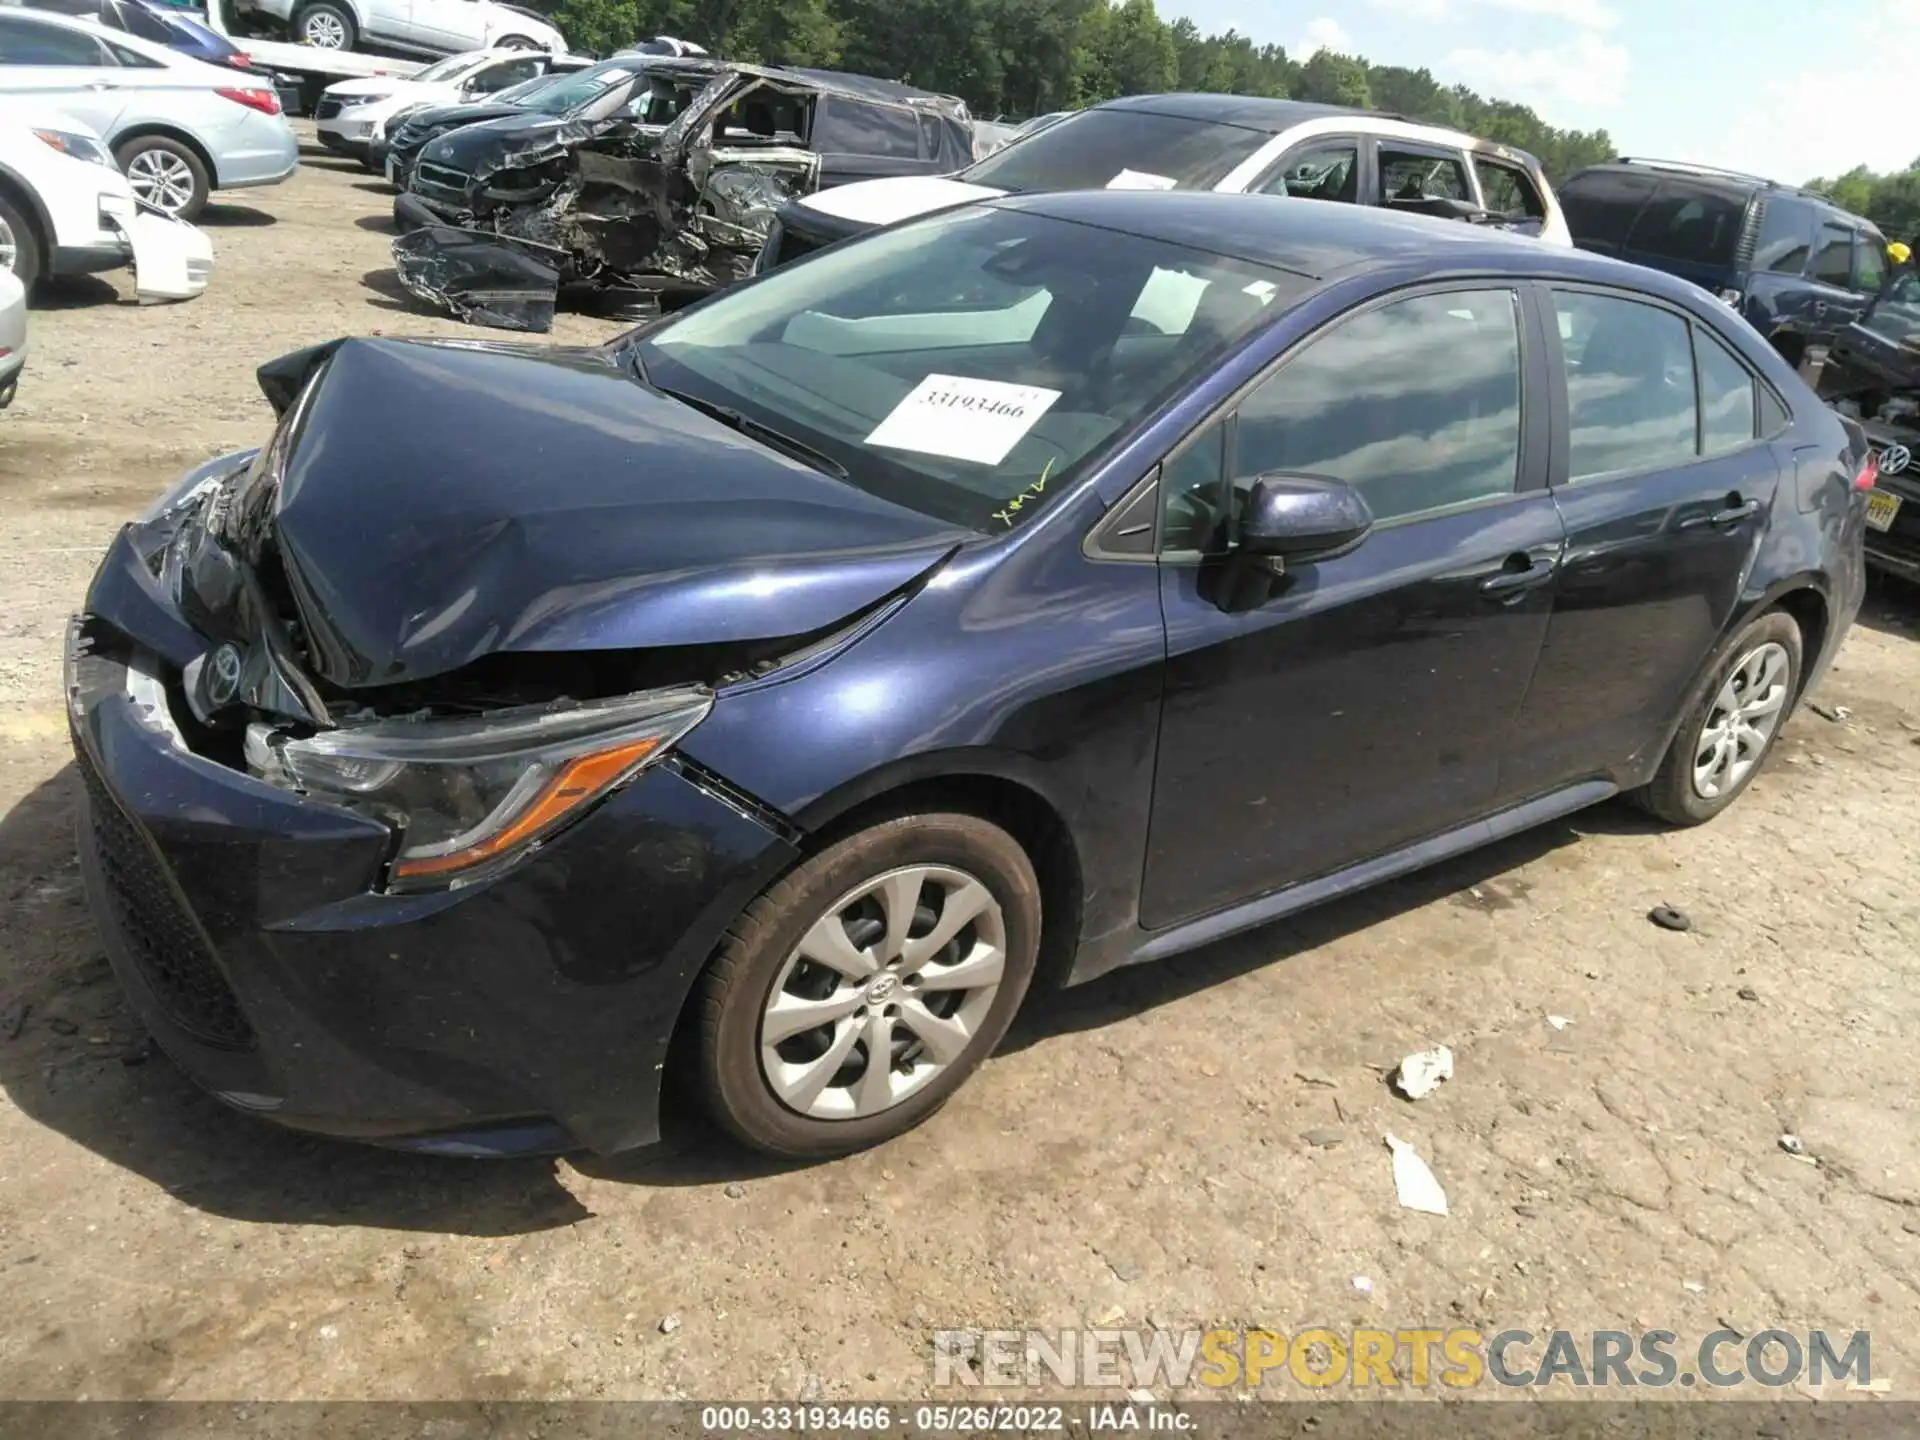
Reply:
x=881, y=987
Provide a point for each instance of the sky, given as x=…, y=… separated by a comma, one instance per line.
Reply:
x=1767, y=86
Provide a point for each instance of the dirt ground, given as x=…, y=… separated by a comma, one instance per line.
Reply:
x=1135, y=1154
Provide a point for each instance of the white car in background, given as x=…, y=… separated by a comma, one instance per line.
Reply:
x=1234, y=144
x=65, y=209
x=353, y=114
x=13, y=334
x=433, y=27
x=179, y=127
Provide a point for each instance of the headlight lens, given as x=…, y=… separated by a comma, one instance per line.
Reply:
x=472, y=795
x=80, y=147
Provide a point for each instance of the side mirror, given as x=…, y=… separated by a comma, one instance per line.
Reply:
x=1286, y=517
x=1302, y=517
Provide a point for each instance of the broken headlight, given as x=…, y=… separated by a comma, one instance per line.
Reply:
x=472, y=795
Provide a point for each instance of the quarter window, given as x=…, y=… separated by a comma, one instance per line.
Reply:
x=1415, y=404
x=1727, y=406
x=1630, y=398
x=1190, y=490
x=1509, y=189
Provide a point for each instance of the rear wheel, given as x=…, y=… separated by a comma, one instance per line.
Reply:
x=1731, y=725
x=19, y=244
x=326, y=26
x=859, y=992
x=166, y=174
x=516, y=42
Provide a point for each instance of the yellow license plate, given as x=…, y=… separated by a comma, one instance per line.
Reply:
x=1882, y=506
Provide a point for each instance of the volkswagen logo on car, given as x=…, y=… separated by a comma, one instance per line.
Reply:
x=1894, y=459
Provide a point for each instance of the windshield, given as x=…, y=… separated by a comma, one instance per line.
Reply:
x=970, y=364
x=452, y=68
x=1119, y=150
x=578, y=90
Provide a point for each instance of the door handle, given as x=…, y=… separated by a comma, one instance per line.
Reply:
x=1520, y=574
x=102, y=85
x=1720, y=519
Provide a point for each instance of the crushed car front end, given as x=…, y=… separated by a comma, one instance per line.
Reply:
x=386, y=826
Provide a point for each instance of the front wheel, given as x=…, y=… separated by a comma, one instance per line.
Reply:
x=854, y=996
x=516, y=42
x=326, y=27
x=1731, y=726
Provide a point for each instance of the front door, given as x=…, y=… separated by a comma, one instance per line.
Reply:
x=1666, y=485
x=1367, y=703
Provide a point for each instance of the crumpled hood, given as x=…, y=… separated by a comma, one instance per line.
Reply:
x=444, y=500
x=467, y=113
x=484, y=147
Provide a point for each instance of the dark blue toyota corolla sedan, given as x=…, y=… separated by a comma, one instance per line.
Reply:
x=1032, y=589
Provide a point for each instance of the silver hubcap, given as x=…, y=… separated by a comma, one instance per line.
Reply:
x=161, y=178
x=1742, y=720
x=9, y=247
x=887, y=990
x=324, y=30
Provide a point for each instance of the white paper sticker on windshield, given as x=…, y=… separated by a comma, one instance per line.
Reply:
x=1141, y=180
x=962, y=418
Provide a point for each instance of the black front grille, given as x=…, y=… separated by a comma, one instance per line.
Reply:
x=326, y=110
x=439, y=182
x=160, y=937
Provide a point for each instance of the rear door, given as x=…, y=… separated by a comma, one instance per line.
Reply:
x=1833, y=301
x=1665, y=482
x=1777, y=299
x=69, y=68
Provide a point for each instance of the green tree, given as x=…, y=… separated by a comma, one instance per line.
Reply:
x=1333, y=79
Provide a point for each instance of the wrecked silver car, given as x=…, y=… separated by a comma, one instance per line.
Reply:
x=669, y=198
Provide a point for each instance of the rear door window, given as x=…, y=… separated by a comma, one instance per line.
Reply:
x=1601, y=206
x=1691, y=222
x=1630, y=390
x=1833, y=260
x=1786, y=236
x=1727, y=396
x=1509, y=190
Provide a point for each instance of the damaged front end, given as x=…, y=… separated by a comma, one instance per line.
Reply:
x=456, y=659
x=662, y=212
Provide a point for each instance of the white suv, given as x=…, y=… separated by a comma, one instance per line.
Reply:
x=431, y=27
x=65, y=209
x=1232, y=143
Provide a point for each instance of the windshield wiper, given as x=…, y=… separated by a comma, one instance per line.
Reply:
x=765, y=434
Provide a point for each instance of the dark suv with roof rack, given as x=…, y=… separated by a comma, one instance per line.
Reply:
x=1796, y=265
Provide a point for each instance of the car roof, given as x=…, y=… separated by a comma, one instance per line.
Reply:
x=1252, y=112
x=1322, y=240
x=1730, y=184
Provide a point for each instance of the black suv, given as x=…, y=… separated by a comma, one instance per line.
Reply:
x=1796, y=265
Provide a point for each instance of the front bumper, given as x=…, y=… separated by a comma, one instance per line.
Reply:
x=245, y=924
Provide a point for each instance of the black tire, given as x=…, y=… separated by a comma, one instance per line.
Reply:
x=29, y=263
x=198, y=184
x=516, y=42
x=739, y=982
x=340, y=13
x=1672, y=794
